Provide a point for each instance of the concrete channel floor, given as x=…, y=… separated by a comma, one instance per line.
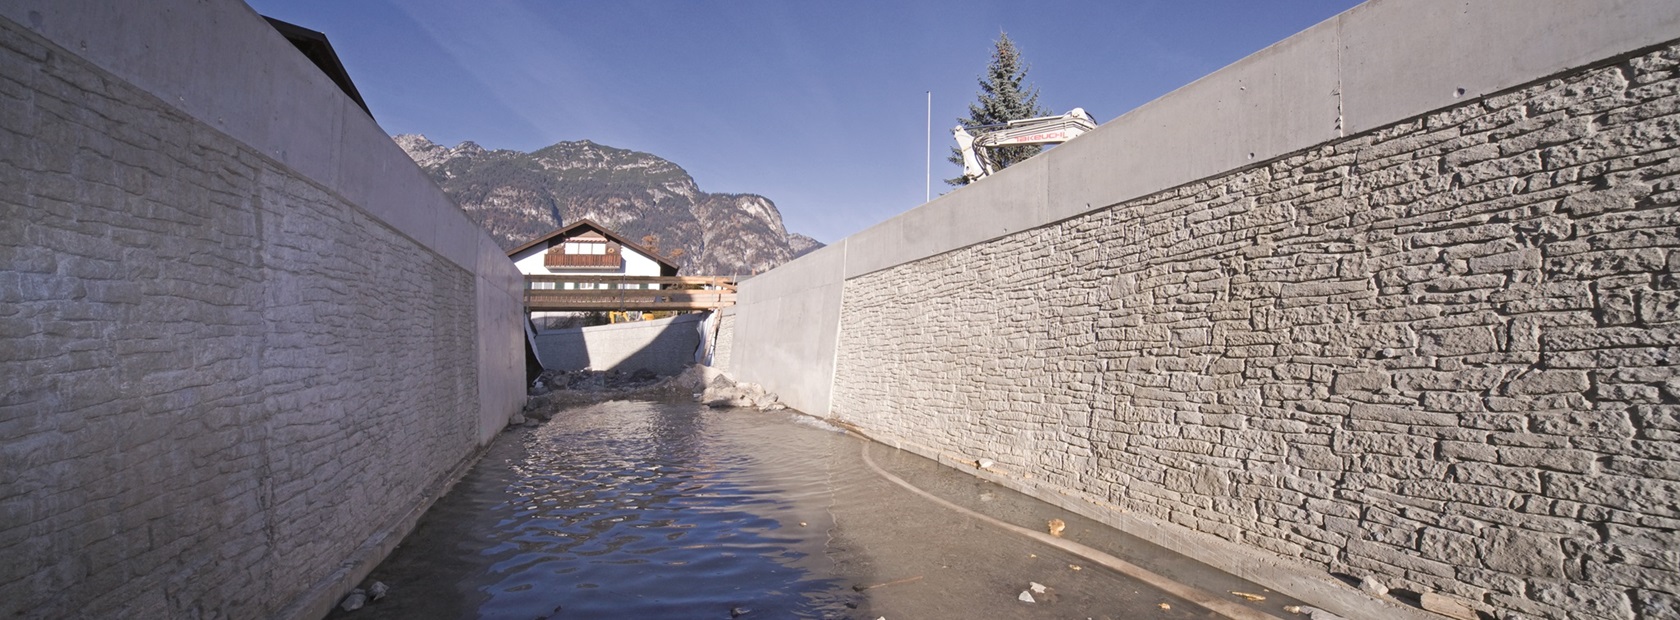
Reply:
x=640, y=509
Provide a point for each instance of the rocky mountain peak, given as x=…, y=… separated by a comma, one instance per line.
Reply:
x=518, y=196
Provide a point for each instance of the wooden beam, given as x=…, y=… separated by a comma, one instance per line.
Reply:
x=626, y=299
x=642, y=306
x=660, y=280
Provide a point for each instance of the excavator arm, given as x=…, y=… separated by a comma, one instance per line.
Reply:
x=976, y=143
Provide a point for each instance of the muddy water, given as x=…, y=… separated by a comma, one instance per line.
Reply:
x=635, y=509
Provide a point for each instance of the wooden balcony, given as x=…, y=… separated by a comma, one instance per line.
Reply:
x=615, y=293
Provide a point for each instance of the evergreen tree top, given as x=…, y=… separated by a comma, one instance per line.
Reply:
x=1004, y=96
x=1004, y=93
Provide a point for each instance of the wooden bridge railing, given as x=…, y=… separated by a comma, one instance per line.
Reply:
x=647, y=293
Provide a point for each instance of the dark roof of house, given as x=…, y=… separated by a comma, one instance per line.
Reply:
x=571, y=230
x=318, y=50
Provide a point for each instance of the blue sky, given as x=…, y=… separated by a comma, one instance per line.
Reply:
x=819, y=106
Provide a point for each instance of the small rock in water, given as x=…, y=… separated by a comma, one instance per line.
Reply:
x=1025, y=597
x=1164, y=606
x=357, y=598
x=1036, y=587
x=1056, y=527
x=378, y=590
x=736, y=612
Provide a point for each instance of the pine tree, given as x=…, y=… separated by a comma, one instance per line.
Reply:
x=1002, y=98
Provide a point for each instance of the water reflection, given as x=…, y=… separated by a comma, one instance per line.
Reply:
x=669, y=510
x=616, y=510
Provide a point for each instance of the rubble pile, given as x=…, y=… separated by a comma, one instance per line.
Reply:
x=557, y=390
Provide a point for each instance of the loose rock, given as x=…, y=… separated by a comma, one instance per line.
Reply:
x=357, y=598
x=557, y=390
x=1056, y=527
x=1371, y=586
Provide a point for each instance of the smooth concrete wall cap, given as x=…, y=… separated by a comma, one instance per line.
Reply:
x=1278, y=100
x=1404, y=58
x=308, y=137
x=222, y=43
x=821, y=267
x=457, y=237
x=1007, y=202
x=1379, y=63
x=227, y=44
x=385, y=187
x=493, y=265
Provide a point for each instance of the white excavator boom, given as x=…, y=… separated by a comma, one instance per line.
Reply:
x=975, y=147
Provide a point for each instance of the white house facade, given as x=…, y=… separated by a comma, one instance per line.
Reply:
x=586, y=248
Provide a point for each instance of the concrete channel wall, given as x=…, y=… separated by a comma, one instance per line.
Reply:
x=663, y=346
x=1393, y=298
x=723, y=348
x=246, y=341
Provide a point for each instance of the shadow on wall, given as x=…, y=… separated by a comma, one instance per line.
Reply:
x=664, y=346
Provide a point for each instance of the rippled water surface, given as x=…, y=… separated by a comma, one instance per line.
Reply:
x=636, y=509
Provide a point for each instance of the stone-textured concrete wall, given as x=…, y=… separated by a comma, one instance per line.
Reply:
x=234, y=368
x=664, y=346
x=1443, y=352
x=1190, y=301
x=723, y=350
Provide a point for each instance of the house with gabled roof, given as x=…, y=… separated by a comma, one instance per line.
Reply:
x=586, y=248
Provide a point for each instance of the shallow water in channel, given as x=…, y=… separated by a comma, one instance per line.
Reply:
x=640, y=509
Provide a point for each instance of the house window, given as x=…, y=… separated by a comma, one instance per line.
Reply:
x=583, y=254
x=586, y=247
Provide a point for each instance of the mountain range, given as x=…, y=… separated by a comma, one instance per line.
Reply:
x=519, y=196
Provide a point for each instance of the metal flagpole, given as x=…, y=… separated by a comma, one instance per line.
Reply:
x=927, y=185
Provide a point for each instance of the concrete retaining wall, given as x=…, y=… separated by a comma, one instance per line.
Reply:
x=1392, y=298
x=246, y=341
x=785, y=328
x=664, y=346
x=723, y=351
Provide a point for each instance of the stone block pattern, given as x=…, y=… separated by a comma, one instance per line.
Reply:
x=217, y=379
x=725, y=347
x=1442, y=353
